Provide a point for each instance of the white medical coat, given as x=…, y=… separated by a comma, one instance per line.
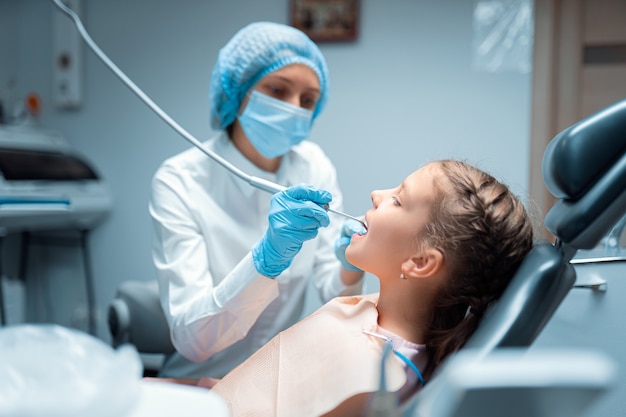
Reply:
x=206, y=220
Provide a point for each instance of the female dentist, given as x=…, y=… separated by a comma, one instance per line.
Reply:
x=229, y=278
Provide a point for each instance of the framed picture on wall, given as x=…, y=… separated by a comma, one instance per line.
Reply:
x=326, y=20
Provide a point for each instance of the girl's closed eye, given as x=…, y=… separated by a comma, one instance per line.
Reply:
x=396, y=202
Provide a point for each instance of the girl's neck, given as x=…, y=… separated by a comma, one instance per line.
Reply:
x=404, y=310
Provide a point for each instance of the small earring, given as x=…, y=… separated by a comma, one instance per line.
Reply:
x=402, y=276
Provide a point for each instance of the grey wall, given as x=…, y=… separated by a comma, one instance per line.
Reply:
x=9, y=45
x=404, y=93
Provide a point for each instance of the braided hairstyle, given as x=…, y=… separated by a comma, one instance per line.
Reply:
x=484, y=233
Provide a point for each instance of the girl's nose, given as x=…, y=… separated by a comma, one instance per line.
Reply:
x=375, y=196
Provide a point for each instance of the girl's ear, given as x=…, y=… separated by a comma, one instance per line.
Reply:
x=424, y=265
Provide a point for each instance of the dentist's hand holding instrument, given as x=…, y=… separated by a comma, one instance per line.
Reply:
x=293, y=219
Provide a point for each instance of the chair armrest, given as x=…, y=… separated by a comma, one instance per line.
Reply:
x=135, y=316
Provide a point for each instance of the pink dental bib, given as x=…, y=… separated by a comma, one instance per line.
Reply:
x=312, y=367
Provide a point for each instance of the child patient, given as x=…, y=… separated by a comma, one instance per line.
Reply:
x=443, y=244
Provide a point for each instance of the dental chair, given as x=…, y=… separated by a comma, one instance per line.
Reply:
x=584, y=167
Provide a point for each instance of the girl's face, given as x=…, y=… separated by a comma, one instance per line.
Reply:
x=394, y=224
x=296, y=84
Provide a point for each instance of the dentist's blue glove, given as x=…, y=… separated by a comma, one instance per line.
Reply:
x=349, y=228
x=295, y=216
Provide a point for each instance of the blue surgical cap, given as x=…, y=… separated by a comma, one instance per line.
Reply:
x=255, y=51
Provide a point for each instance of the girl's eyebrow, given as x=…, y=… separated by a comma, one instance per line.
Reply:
x=404, y=187
x=407, y=191
x=398, y=190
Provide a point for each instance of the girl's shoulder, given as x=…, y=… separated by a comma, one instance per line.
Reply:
x=350, y=304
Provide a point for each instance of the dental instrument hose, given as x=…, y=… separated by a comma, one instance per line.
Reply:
x=257, y=182
x=383, y=403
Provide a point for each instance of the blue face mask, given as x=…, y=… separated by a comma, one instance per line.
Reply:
x=274, y=126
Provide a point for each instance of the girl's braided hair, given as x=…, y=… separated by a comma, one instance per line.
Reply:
x=484, y=233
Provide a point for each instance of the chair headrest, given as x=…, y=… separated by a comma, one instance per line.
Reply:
x=580, y=155
x=584, y=166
